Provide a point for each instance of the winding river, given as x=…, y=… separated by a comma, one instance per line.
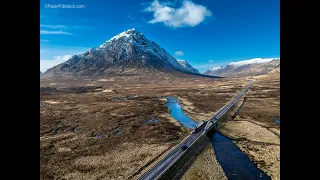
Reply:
x=178, y=114
x=236, y=164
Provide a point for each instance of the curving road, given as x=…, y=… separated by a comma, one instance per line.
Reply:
x=156, y=171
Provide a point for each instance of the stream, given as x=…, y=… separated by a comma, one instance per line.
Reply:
x=178, y=114
x=236, y=164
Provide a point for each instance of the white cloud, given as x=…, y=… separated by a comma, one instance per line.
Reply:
x=131, y=17
x=179, y=53
x=62, y=26
x=54, y=32
x=189, y=14
x=52, y=26
x=211, y=61
x=47, y=63
x=44, y=40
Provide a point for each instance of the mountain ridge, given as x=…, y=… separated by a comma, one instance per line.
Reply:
x=127, y=51
x=252, y=67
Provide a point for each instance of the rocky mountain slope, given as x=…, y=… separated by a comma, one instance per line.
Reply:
x=187, y=66
x=250, y=67
x=129, y=51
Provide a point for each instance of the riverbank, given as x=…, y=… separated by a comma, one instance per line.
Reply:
x=256, y=128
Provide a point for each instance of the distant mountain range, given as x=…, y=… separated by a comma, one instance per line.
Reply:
x=252, y=67
x=129, y=51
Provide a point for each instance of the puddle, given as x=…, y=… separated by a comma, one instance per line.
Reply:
x=100, y=136
x=150, y=121
x=117, y=131
x=43, y=104
x=131, y=96
x=118, y=99
x=76, y=129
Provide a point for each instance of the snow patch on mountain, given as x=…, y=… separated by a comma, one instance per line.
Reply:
x=126, y=34
x=187, y=66
x=216, y=68
x=183, y=63
x=253, y=61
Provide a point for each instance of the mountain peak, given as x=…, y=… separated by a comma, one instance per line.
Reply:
x=128, y=32
x=128, y=35
x=129, y=50
x=132, y=30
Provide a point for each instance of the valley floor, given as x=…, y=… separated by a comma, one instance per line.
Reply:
x=256, y=128
x=101, y=131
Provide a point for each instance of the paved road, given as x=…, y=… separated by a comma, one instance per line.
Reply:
x=156, y=171
x=228, y=106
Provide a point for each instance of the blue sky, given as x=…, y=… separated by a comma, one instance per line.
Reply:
x=205, y=33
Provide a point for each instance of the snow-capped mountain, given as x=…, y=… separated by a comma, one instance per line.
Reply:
x=187, y=66
x=216, y=68
x=127, y=51
x=249, y=67
x=253, y=61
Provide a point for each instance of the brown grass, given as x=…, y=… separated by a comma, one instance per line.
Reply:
x=254, y=129
x=79, y=122
x=78, y=134
x=205, y=167
x=249, y=131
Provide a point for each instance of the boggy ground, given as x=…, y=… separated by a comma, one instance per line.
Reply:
x=255, y=129
x=85, y=134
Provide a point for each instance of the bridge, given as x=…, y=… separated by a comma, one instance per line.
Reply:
x=212, y=123
x=164, y=164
